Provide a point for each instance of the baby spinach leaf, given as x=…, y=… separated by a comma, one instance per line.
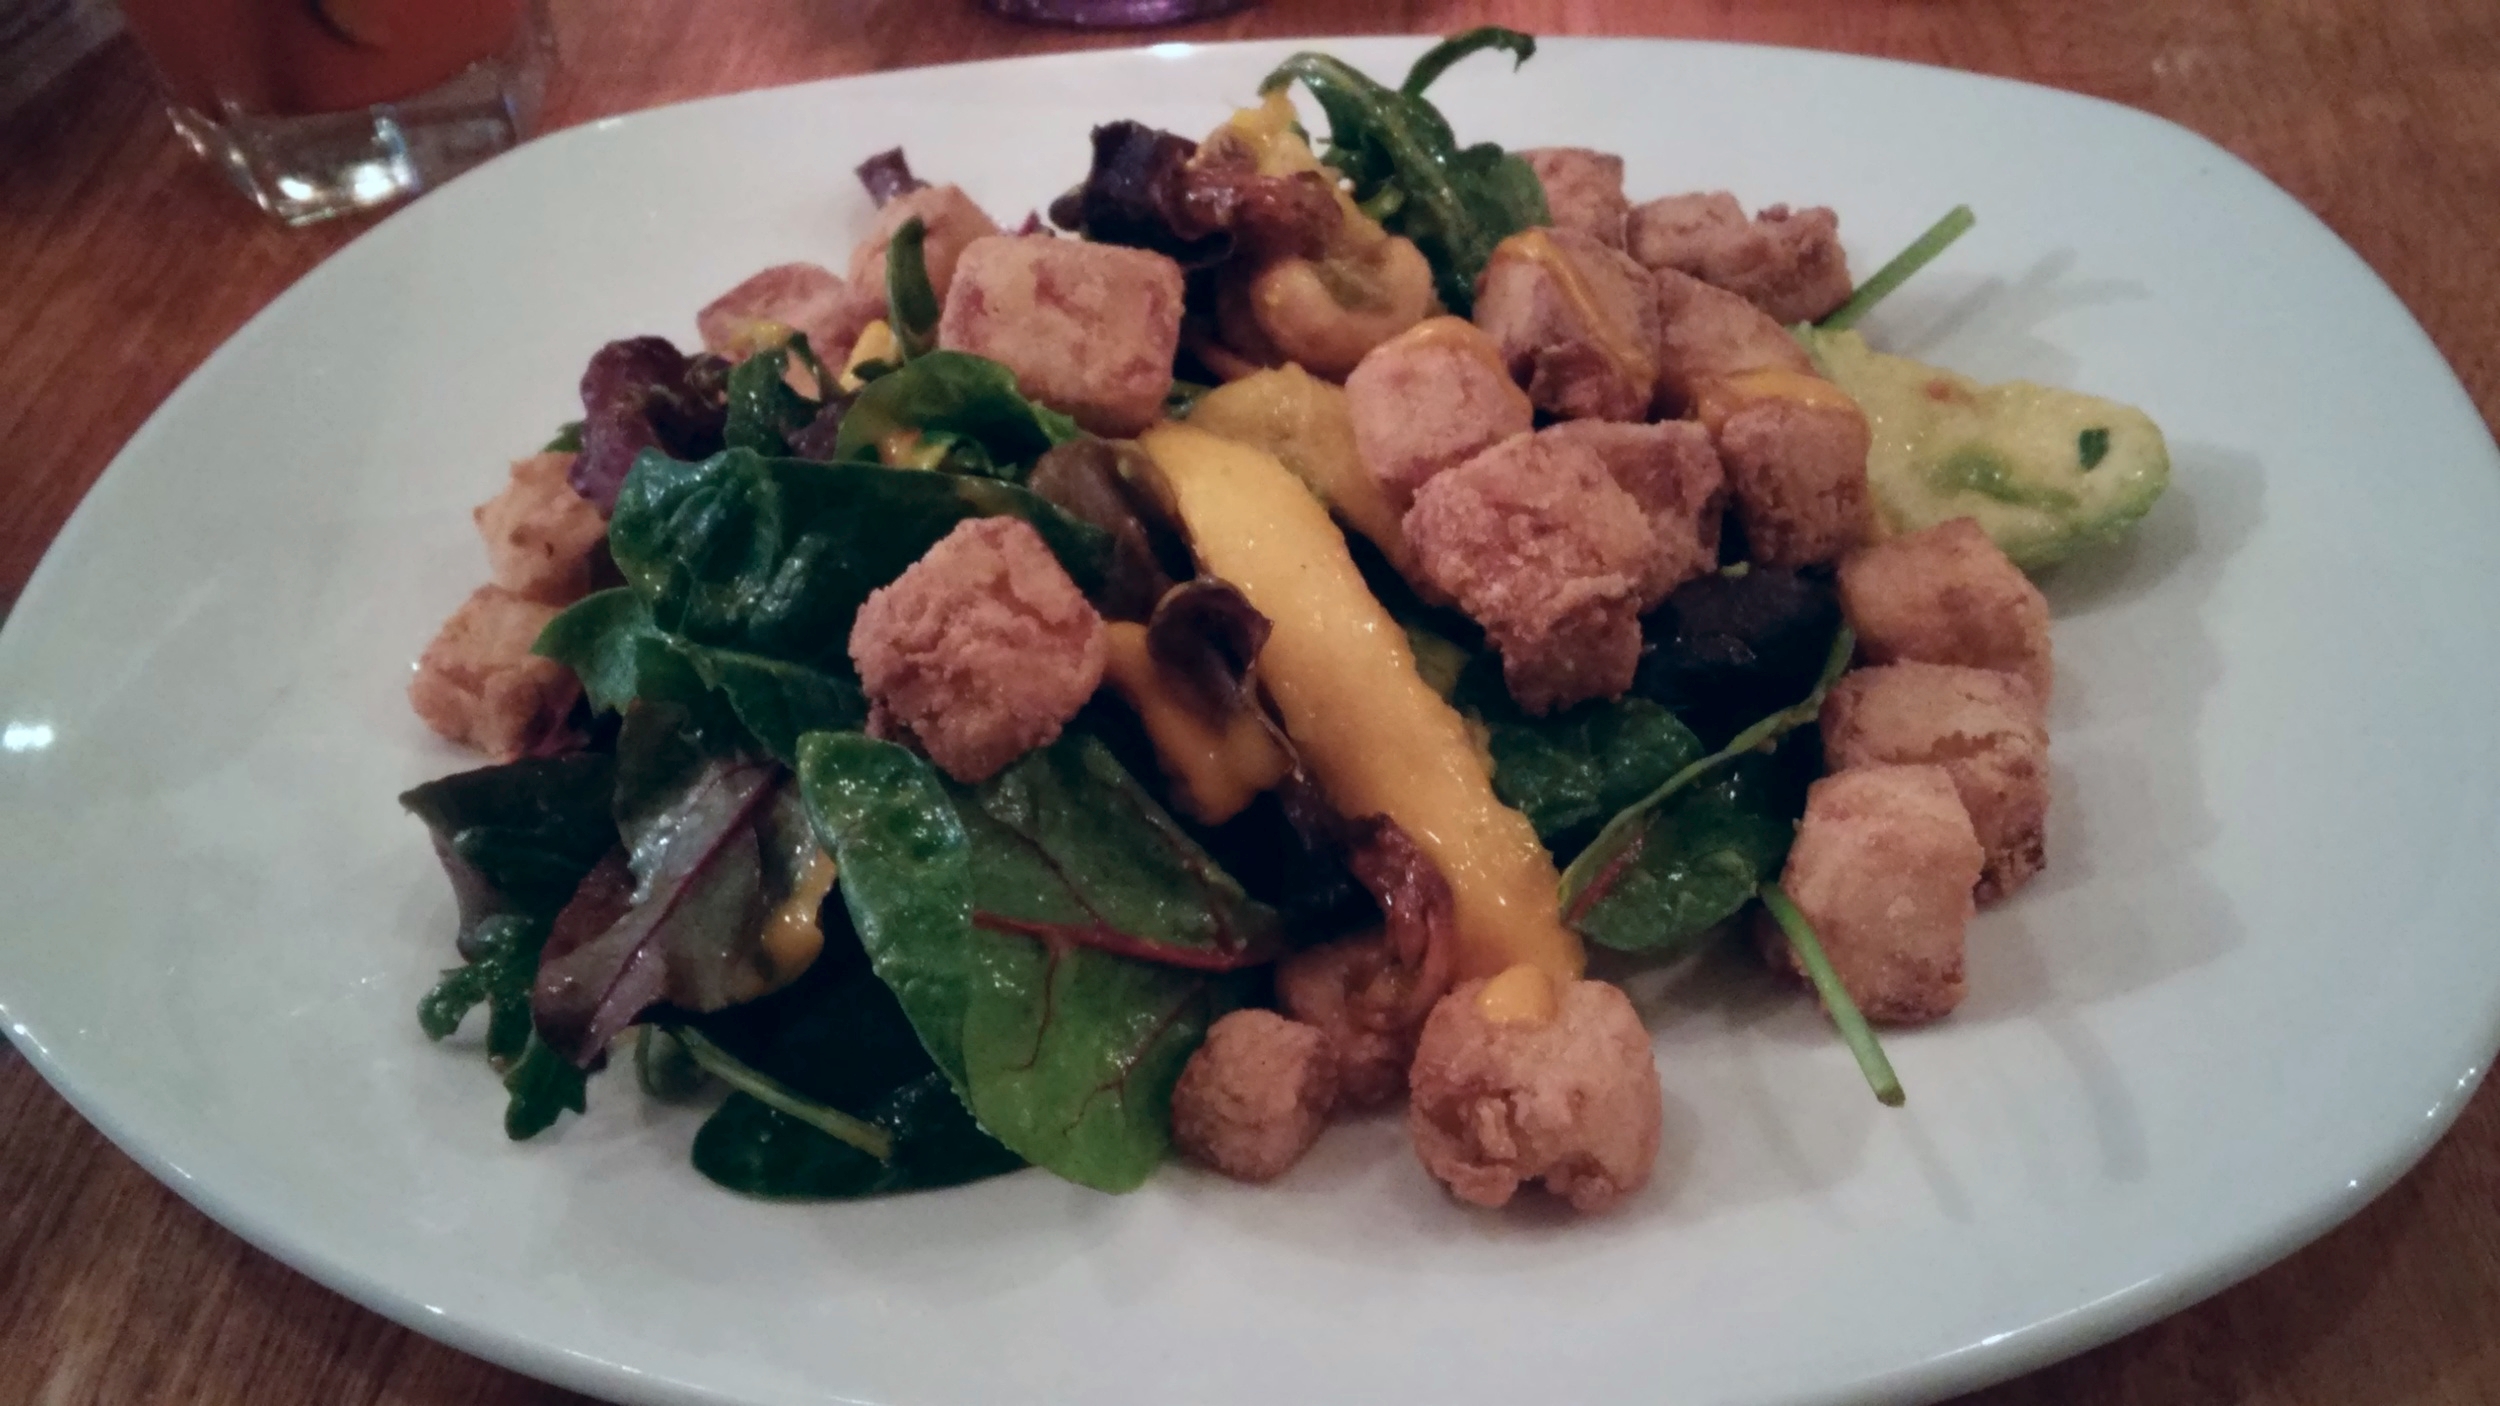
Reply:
x=962, y=409
x=991, y=915
x=1408, y=170
x=763, y=410
x=772, y=557
x=911, y=304
x=1695, y=863
x=610, y=642
x=749, y=1147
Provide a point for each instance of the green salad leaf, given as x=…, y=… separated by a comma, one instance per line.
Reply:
x=538, y=1088
x=1568, y=772
x=749, y=1146
x=1407, y=168
x=911, y=301
x=609, y=640
x=763, y=409
x=1696, y=861
x=772, y=557
x=961, y=413
x=1062, y=1041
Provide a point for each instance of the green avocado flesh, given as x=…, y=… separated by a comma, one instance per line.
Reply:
x=2046, y=472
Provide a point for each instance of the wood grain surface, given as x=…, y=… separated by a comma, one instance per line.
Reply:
x=124, y=262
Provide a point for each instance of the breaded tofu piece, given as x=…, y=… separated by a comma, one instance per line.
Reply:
x=1583, y=190
x=950, y=222
x=542, y=538
x=1883, y=868
x=1707, y=334
x=478, y=684
x=1797, y=468
x=1537, y=542
x=1576, y=321
x=1089, y=329
x=806, y=298
x=1788, y=263
x=1948, y=595
x=1255, y=1096
x=1357, y=995
x=1983, y=727
x=1571, y=1100
x=1429, y=399
x=1669, y=469
x=980, y=651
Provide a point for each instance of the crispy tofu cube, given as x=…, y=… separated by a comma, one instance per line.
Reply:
x=1583, y=190
x=1708, y=334
x=1255, y=1096
x=805, y=298
x=950, y=222
x=1788, y=263
x=1088, y=329
x=1576, y=321
x=1536, y=541
x=1948, y=595
x=1883, y=867
x=478, y=684
x=1673, y=473
x=1798, y=471
x=1429, y=399
x=1983, y=727
x=542, y=538
x=981, y=651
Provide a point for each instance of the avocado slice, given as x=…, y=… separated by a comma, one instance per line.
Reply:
x=2046, y=472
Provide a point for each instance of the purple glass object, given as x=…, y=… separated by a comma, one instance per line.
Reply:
x=1112, y=14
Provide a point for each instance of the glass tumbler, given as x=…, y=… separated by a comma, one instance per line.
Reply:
x=318, y=107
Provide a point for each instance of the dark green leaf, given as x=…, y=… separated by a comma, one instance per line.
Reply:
x=772, y=557
x=540, y=1087
x=1696, y=863
x=1438, y=59
x=517, y=838
x=761, y=1151
x=1404, y=163
x=1064, y=1051
x=1570, y=771
x=663, y=1068
x=568, y=439
x=503, y=962
x=2092, y=446
x=763, y=410
x=911, y=303
x=963, y=406
x=608, y=639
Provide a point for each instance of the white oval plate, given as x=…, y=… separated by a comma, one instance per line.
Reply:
x=2255, y=982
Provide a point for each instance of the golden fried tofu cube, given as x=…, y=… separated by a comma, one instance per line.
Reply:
x=949, y=222
x=1089, y=329
x=478, y=684
x=1583, y=190
x=1430, y=399
x=1797, y=467
x=1982, y=726
x=1708, y=334
x=1577, y=323
x=1669, y=469
x=1788, y=263
x=542, y=538
x=805, y=298
x=1255, y=1096
x=1883, y=868
x=1948, y=595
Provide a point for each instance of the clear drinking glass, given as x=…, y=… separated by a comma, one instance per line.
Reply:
x=1112, y=14
x=318, y=107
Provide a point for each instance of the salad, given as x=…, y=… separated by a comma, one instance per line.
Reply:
x=1223, y=659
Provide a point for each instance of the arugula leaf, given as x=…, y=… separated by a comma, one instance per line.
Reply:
x=1627, y=825
x=1438, y=59
x=1569, y=771
x=772, y=557
x=1695, y=863
x=498, y=974
x=539, y=1087
x=1063, y=1051
x=763, y=410
x=1408, y=170
x=911, y=303
x=1903, y=267
x=964, y=411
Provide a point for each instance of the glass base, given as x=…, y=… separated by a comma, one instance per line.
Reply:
x=310, y=168
x=1112, y=14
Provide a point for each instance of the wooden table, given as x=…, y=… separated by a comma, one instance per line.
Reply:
x=123, y=262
